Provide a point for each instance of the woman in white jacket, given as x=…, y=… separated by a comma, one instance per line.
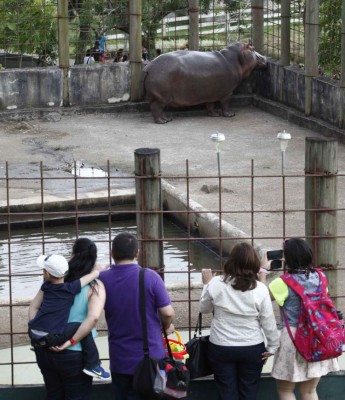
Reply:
x=243, y=317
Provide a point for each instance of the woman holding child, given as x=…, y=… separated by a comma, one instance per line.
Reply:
x=63, y=366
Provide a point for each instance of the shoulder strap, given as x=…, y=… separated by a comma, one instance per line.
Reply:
x=142, y=303
x=323, y=279
x=198, y=327
x=142, y=308
x=287, y=325
x=293, y=284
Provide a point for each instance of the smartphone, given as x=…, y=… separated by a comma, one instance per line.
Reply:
x=275, y=255
x=276, y=264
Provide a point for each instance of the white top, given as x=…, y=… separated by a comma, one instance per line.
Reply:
x=89, y=60
x=240, y=318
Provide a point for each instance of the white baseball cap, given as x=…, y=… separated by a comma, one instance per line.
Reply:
x=56, y=265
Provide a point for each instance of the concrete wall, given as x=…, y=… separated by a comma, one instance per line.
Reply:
x=286, y=85
x=100, y=84
x=30, y=88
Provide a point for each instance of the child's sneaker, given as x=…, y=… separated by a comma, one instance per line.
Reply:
x=97, y=372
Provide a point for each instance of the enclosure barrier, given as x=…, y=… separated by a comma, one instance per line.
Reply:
x=47, y=212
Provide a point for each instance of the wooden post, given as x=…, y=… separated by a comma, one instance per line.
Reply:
x=311, y=50
x=285, y=35
x=321, y=197
x=342, y=75
x=258, y=25
x=135, y=47
x=63, y=48
x=194, y=9
x=149, y=207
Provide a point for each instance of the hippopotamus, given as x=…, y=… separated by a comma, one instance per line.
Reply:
x=187, y=78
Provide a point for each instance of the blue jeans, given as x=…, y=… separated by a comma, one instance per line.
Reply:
x=237, y=370
x=63, y=376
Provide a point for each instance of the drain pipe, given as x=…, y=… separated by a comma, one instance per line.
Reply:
x=149, y=207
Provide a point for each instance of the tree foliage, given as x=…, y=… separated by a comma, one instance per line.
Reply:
x=330, y=40
x=28, y=26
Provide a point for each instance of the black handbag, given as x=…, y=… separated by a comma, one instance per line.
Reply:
x=197, y=347
x=158, y=378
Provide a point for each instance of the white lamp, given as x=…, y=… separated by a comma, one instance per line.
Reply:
x=217, y=139
x=283, y=138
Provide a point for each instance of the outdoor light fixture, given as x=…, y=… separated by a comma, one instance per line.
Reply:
x=283, y=138
x=217, y=139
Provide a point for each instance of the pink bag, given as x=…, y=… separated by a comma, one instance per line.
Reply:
x=319, y=334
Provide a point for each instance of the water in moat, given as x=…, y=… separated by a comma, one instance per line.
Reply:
x=26, y=245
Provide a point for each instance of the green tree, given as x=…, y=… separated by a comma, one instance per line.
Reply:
x=330, y=40
x=28, y=26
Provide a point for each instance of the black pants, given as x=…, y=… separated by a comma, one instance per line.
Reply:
x=237, y=370
x=63, y=375
x=89, y=348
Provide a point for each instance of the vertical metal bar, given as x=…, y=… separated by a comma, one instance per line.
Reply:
x=42, y=207
x=188, y=227
x=284, y=211
x=252, y=201
x=220, y=205
x=109, y=211
x=76, y=199
x=9, y=269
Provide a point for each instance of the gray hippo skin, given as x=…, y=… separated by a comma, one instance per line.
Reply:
x=187, y=78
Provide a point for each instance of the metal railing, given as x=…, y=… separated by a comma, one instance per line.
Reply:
x=268, y=208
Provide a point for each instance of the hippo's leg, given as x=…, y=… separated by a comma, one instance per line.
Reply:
x=157, y=110
x=211, y=111
x=226, y=111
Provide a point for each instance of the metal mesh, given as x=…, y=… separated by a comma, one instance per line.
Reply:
x=48, y=215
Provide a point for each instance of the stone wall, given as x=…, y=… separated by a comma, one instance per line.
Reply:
x=28, y=88
x=286, y=85
x=99, y=84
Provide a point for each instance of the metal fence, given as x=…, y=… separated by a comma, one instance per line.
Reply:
x=46, y=211
x=29, y=29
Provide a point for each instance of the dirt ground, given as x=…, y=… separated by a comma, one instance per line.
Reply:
x=96, y=138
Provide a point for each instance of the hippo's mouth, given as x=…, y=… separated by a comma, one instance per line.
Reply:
x=261, y=61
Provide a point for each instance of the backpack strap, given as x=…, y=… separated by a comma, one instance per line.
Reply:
x=299, y=289
x=293, y=284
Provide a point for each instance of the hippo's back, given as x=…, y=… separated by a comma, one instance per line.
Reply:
x=183, y=78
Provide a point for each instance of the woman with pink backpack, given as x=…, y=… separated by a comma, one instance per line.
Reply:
x=309, y=324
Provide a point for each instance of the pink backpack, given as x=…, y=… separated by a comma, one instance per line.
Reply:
x=319, y=332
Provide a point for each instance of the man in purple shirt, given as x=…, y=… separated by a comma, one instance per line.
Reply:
x=122, y=314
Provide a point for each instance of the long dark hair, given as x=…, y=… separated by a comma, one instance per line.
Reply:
x=242, y=267
x=84, y=256
x=298, y=255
